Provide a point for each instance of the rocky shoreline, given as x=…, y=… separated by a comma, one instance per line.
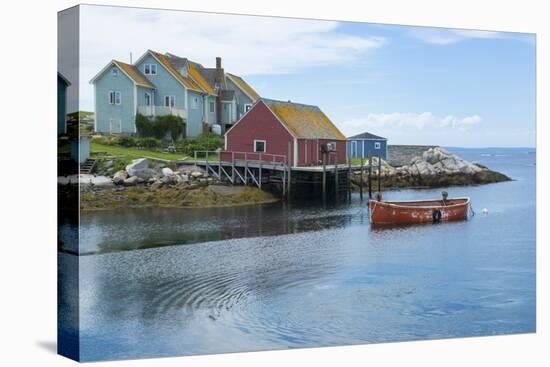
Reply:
x=145, y=183
x=148, y=183
x=435, y=168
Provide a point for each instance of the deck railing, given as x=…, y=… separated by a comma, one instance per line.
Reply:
x=231, y=157
x=161, y=111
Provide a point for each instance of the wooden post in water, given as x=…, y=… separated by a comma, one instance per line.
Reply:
x=288, y=165
x=284, y=181
x=361, y=179
x=379, y=175
x=370, y=175
x=324, y=177
x=336, y=178
x=349, y=179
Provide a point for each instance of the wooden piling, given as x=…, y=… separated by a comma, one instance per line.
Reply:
x=349, y=179
x=361, y=179
x=370, y=175
x=336, y=179
x=379, y=173
x=324, y=177
x=288, y=165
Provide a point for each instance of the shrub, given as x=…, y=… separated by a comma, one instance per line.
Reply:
x=124, y=141
x=160, y=127
x=103, y=140
x=148, y=143
x=202, y=142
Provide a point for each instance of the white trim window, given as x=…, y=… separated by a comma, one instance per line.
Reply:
x=147, y=99
x=259, y=146
x=247, y=107
x=114, y=71
x=150, y=69
x=212, y=107
x=377, y=145
x=115, y=97
x=169, y=101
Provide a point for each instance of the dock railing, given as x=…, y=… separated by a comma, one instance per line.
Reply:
x=243, y=167
x=212, y=156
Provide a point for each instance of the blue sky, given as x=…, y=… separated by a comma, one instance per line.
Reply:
x=412, y=85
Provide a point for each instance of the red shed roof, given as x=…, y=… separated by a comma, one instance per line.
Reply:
x=304, y=121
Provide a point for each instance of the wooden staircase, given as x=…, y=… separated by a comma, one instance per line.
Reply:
x=87, y=166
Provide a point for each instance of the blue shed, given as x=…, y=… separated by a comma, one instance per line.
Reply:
x=359, y=146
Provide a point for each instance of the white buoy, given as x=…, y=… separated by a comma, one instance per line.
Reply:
x=485, y=211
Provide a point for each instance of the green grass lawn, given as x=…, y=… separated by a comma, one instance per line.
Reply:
x=133, y=153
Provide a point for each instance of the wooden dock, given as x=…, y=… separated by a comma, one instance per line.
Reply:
x=261, y=169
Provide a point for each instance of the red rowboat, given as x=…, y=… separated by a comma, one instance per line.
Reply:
x=425, y=211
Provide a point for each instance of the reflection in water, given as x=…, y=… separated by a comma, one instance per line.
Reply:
x=304, y=276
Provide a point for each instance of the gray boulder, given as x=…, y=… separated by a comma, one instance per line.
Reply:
x=137, y=165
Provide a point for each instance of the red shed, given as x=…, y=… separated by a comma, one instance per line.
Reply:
x=270, y=126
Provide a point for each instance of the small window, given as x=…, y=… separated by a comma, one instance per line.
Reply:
x=247, y=107
x=195, y=103
x=212, y=107
x=377, y=145
x=150, y=69
x=111, y=97
x=147, y=99
x=169, y=101
x=259, y=146
x=118, y=98
x=114, y=71
x=331, y=146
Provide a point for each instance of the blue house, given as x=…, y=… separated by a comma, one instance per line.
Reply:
x=162, y=84
x=62, y=85
x=360, y=145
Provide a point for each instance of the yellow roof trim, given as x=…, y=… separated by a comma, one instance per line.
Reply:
x=197, y=77
x=133, y=73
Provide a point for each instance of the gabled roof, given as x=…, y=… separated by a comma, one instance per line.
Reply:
x=133, y=73
x=244, y=86
x=186, y=81
x=304, y=121
x=367, y=136
x=130, y=71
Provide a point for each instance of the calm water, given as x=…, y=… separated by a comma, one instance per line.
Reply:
x=159, y=282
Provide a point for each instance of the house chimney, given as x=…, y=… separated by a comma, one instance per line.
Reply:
x=219, y=82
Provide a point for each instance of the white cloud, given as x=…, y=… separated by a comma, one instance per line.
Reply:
x=407, y=122
x=247, y=44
